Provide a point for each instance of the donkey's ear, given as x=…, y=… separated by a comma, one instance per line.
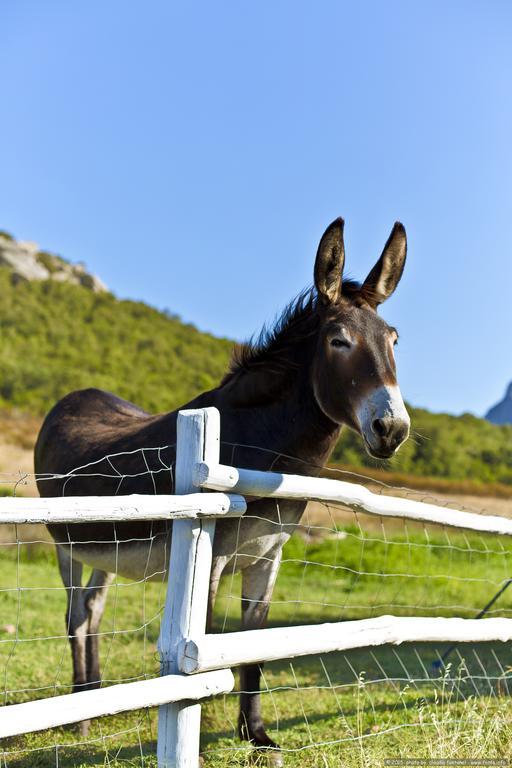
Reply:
x=386, y=274
x=330, y=259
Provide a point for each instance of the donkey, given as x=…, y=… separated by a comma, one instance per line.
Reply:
x=327, y=362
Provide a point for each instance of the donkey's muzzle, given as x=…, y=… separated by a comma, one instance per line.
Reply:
x=384, y=421
x=390, y=433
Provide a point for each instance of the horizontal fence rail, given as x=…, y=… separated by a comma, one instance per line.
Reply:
x=255, y=646
x=250, y=482
x=56, y=711
x=81, y=509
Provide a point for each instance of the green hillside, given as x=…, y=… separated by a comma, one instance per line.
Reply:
x=57, y=337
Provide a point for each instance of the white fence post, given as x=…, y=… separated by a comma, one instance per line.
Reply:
x=198, y=439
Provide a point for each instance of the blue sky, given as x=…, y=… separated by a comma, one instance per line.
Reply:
x=192, y=154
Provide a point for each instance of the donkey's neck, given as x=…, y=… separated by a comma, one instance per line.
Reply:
x=297, y=435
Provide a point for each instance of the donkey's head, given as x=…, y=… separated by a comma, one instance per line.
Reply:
x=354, y=372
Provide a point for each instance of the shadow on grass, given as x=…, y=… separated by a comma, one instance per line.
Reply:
x=86, y=757
x=66, y=748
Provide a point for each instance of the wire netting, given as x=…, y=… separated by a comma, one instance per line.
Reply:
x=360, y=707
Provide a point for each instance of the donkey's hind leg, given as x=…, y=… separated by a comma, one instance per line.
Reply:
x=94, y=599
x=77, y=619
x=83, y=616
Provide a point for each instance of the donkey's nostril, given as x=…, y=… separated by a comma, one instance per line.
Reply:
x=379, y=427
x=402, y=434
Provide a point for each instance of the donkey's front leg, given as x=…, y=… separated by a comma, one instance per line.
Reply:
x=257, y=585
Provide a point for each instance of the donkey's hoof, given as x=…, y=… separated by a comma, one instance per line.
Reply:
x=266, y=752
x=270, y=757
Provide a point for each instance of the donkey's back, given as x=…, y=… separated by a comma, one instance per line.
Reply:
x=93, y=443
x=83, y=429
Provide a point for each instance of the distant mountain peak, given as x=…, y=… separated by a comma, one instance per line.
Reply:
x=501, y=413
x=27, y=261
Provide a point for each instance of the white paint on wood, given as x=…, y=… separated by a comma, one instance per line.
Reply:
x=235, y=648
x=198, y=439
x=80, y=509
x=75, y=707
x=273, y=484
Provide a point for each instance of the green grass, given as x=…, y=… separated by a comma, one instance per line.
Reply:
x=350, y=709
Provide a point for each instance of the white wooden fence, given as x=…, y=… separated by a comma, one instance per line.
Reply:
x=195, y=665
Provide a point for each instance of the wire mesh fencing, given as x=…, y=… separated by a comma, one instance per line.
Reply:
x=361, y=706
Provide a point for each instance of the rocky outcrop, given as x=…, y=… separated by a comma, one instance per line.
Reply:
x=28, y=262
x=501, y=413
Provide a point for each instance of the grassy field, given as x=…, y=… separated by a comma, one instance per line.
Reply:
x=350, y=709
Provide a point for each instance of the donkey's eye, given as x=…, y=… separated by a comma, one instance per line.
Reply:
x=338, y=343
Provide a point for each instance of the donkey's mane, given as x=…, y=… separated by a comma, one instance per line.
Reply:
x=275, y=347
